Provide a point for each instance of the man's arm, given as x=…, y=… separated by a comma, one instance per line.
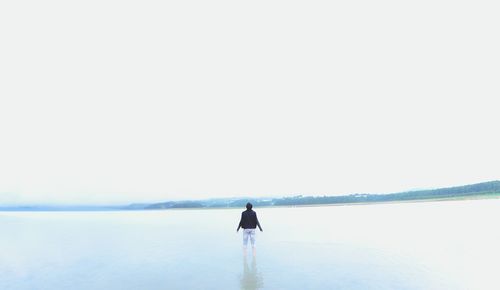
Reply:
x=258, y=224
x=241, y=221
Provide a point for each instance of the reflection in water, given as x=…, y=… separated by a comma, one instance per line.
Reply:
x=251, y=278
x=410, y=246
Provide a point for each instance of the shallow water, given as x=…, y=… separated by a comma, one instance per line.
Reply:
x=428, y=245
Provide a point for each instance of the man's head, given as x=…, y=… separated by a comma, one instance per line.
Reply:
x=249, y=206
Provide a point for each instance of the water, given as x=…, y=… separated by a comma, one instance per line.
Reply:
x=431, y=245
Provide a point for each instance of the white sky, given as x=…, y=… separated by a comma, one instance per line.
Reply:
x=132, y=101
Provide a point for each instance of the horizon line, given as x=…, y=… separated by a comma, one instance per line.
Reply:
x=118, y=204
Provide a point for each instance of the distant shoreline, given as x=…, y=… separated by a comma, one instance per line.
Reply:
x=479, y=197
x=467, y=198
x=485, y=190
x=451, y=199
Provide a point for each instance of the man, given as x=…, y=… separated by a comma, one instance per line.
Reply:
x=249, y=222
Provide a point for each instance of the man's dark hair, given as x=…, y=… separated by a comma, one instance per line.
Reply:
x=249, y=206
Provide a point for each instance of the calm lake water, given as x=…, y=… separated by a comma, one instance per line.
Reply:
x=428, y=245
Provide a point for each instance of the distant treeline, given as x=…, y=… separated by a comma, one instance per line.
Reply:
x=485, y=188
x=491, y=188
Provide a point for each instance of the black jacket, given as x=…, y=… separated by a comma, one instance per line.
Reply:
x=249, y=220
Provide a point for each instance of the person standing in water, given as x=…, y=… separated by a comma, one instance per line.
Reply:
x=249, y=222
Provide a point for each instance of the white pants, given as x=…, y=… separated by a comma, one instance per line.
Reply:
x=248, y=233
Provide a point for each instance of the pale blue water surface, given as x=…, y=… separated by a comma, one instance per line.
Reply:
x=428, y=245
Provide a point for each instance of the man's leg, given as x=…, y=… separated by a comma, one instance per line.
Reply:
x=245, y=241
x=252, y=240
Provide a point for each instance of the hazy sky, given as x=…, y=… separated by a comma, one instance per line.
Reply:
x=130, y=101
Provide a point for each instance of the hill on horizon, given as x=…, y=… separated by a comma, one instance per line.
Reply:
x=491, y=188
x=483, y=189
